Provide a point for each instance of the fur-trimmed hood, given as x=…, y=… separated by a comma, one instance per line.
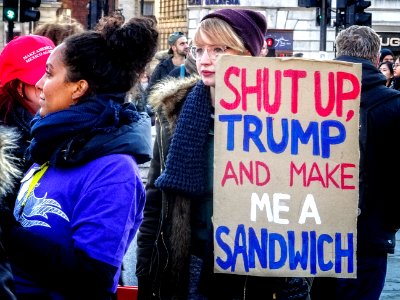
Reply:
x=9, y=170
x=166, y=95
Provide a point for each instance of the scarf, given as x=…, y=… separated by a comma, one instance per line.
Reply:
x=59, y=134
x=186, y=165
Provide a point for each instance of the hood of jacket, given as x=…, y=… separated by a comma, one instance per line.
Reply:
x=167, y=96
x=133, y=139
x=9, y=170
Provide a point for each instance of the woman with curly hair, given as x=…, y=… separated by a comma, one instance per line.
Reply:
x=81, y=202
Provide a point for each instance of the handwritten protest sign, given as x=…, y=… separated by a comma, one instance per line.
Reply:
x=286, y=164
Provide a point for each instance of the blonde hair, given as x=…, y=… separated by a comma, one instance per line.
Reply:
x=218, y=32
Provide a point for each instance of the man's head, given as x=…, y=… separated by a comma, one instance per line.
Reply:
x=359, y=41
x=178, y=44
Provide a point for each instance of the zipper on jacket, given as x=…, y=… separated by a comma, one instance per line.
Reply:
x=161, y=146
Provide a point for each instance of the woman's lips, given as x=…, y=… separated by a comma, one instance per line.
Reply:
x=207, y=73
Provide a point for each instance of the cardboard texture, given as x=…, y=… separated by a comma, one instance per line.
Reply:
x=286, y=166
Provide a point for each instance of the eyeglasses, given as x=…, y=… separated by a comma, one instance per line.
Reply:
x=396, y=65
x=212, y=51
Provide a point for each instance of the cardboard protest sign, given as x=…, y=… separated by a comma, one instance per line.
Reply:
x=286, y=163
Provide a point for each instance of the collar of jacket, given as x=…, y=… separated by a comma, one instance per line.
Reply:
x=168, y=93
x=8, y=162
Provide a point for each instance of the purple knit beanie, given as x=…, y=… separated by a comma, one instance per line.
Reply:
x=249, y=25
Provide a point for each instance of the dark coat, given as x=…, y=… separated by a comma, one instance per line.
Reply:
x=379, y=201
x=161, y=71
x=8, y=174
x=165, y=232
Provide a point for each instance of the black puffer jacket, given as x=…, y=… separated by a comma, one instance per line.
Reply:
x=379, y=202
x=166, y=228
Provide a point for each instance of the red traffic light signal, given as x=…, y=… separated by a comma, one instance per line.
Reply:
x=270, y=42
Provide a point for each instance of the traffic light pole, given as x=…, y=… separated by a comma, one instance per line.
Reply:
x=10, y=33
x=323, y=27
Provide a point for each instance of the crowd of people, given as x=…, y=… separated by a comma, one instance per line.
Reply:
x=389, y=65
x=75, y=124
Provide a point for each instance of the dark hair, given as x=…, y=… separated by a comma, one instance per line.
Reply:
x=385, y=52
x=9, y=97
x=111, y=59
x=116, y=18
x=388, y=64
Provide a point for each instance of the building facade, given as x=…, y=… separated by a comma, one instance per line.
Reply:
x=293, y=28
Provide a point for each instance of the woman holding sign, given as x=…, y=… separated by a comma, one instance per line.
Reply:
x=175, y=242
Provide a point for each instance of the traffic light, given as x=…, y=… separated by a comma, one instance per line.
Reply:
x=10, y=10
x=351, y=12
x=270, y=46
x=309, y=3
x=28, y=11
x=362, y=18
x=270, y=42
x=318, y=16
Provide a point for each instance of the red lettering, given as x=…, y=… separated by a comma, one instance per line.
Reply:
x=231, y=105
x=341, y=94
x=315, y=177
x=300, y=171
x=229, y=174
x=324, y=111
x=327, y=179
x=255, y=89
x=329, y=175
x=246, y=171
x=345, y=176
x=259, y=166
x=295, y=75
x=274, y=107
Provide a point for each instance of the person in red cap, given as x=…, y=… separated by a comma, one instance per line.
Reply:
x=175, y=239
x=22, y=64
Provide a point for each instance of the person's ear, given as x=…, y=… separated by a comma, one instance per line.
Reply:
x=20, y=88
x=81, y=88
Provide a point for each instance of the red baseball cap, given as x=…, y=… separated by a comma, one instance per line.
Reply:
x=25, y=58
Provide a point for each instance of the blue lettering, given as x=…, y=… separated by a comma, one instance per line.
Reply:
x=252, y=135
x=295, y=257
x=318, y=135
x=273, y=251
x=304, y=136
x=225, y=247
x=272, y=144
x=339, y=253
x=321, y=240
x=327, y=140
x=259, y=247
x=231, y=119
x=273, y=239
